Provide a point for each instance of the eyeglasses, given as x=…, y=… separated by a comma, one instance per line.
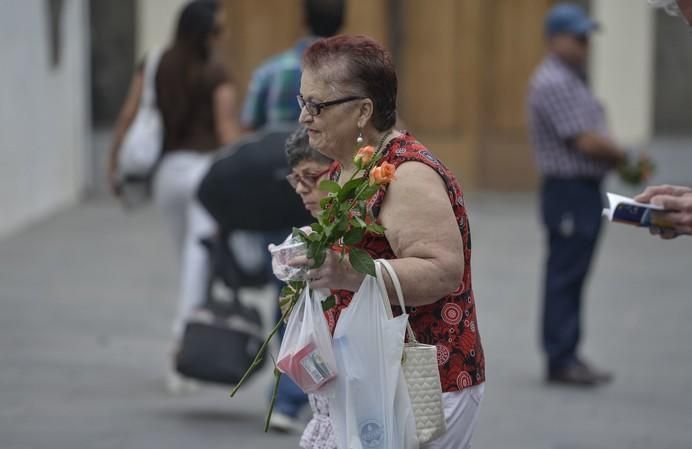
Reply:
x=307, y=180
x=314, y=109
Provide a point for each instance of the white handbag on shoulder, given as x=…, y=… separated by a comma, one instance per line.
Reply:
x=419, y=363
x=143, y=141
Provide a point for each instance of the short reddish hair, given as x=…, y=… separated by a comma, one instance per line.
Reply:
x=368, y=68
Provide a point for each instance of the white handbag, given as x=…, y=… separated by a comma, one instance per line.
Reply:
x=419, y=363
x=143, y=141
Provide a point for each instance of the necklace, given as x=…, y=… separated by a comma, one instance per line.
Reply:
x=377, y=151
x=382, y=140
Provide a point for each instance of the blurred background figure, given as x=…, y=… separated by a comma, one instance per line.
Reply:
x=271, y=97
x=574, y=152
x=196, y=99
x=271, y=101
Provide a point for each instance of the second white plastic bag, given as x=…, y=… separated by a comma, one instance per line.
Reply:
x=306, y=354
x=369, y=403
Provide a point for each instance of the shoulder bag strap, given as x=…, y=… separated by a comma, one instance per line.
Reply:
x=151, y=65
x=379, y=265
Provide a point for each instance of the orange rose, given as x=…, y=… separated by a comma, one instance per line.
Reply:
x=364, y=156
x=384, y=174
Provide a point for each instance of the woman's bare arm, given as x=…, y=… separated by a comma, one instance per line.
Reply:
x=423, y=232
x=225, y=119
x=127, y=114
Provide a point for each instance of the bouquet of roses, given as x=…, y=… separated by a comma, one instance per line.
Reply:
x=342, y=224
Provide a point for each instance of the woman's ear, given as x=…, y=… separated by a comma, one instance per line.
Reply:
x=365, y=113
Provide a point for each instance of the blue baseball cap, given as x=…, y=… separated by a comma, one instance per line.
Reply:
x=568, y=18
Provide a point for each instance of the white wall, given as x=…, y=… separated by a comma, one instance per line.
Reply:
x=156, y=22
x=43, y=112
x=622, y=69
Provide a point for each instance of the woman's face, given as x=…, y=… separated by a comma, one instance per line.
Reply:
x=309, y=174
x=334, y=130
x=218, y=35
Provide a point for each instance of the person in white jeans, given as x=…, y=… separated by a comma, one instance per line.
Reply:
x=196, y=100
x=175, y=187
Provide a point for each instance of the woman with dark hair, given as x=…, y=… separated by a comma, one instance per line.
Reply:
x=196, y=99
x=348, y=99
x=308, y=168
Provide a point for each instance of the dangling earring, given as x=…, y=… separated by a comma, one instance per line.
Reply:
x=359, y=139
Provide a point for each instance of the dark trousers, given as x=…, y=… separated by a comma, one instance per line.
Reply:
x=571, y=212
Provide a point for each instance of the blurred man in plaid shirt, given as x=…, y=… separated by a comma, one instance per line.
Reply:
x=271, y=97
x=573, y=152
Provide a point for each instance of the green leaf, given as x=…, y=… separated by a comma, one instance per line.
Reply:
x=348, y=190
x=368, y=192
x=354, y=236
x=361, y=261
x=300, y=234
x=329, y=230
x=297, y=286
x=360, y=223
x=326, y=201
x=328, y=303
x=329, y=186
x=316, y=227
x=342, y=224
x=313, y=249
x=344, y=208
x=285, y=295
x=321, y=256
x=376, y=229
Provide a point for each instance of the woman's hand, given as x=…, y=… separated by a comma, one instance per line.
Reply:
x=334, y=274
x=113, y=178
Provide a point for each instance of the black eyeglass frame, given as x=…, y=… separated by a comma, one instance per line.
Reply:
x=315, y=109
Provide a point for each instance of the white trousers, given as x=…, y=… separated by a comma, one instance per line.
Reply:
x=175, y=187
x=461, y=410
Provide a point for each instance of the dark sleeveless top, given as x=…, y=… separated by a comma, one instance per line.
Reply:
x=185, y=98
x=449, y=323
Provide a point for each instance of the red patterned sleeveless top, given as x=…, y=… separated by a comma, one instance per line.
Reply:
x=449, y=323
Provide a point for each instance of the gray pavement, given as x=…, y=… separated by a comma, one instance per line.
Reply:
x=86, y=298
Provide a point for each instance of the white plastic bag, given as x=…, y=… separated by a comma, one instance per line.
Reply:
x=306, y=354
x=143, y=141
x=369, y=403
x=289, y=249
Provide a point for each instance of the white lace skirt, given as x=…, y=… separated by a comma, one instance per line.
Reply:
x=319, y=433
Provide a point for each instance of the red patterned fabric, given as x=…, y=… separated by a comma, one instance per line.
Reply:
x=450, y=323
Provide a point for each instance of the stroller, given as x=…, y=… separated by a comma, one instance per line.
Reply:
x=245, y=191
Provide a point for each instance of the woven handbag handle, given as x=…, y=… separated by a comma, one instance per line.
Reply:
x=379, y=263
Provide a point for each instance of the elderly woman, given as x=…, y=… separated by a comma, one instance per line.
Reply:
x=308, y=169
x=348, y=99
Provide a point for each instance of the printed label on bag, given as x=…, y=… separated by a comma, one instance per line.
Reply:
x=315, y=366
x=371, y=434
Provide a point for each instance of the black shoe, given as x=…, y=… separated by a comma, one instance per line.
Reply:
x=579, y=374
